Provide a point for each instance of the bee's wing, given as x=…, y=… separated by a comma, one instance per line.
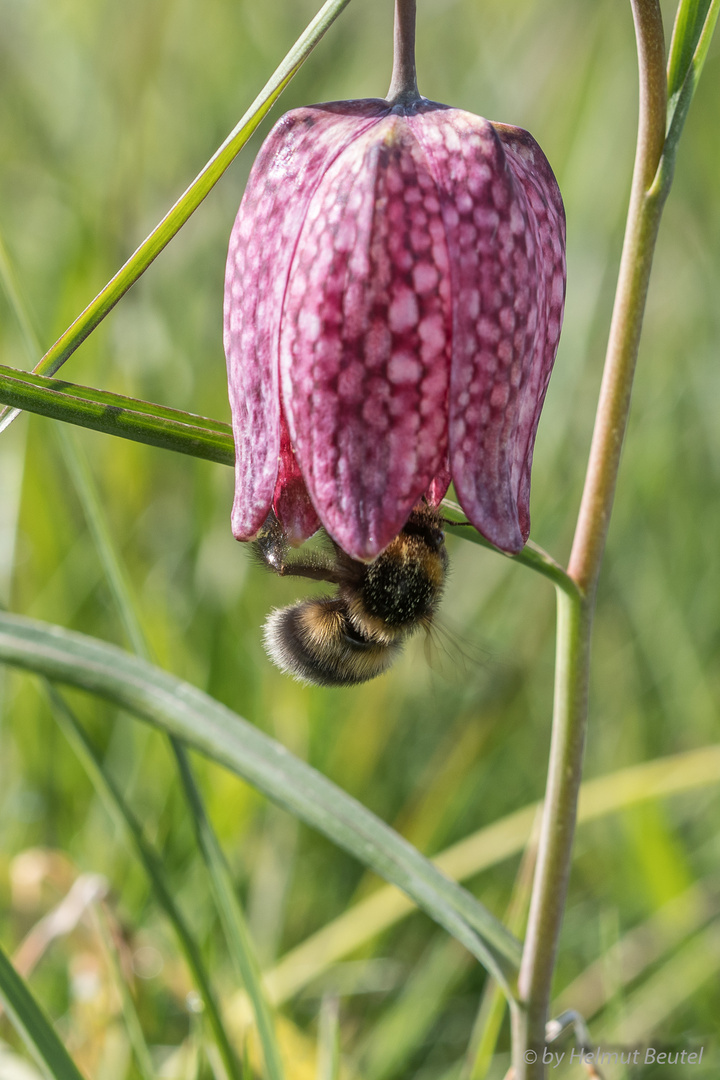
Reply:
x=452, y=655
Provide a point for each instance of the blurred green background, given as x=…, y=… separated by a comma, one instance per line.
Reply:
x=109, y=110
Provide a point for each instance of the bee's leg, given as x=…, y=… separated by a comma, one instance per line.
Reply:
x=456, y=524
x=272, y=548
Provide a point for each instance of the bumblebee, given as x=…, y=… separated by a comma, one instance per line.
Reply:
x=356, y=633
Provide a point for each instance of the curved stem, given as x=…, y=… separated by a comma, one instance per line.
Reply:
x=532, y=555
x=575, y=613
x=403, y=84
x=557, y=829
x=635, y=264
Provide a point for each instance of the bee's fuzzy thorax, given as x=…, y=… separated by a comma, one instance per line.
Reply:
x=356, y=634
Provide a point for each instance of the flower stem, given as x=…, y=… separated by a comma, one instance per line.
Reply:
x=403, y=84
x=556, y=831
x=644, y=213
x=575, y=613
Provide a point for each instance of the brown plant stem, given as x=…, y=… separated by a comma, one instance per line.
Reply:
x=575, y=613
x=403, y=84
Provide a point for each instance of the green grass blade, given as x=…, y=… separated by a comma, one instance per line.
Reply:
x=153, y=866
x=15, y=298
x=189, y=201
x=101, y=410
x=77, y=466
x=406, y=1022
x=668, y=989
x=377, y=913
x=690, y=22
x=114, y=414
x=228, y=905
x=39, y=391
x=328, y=1045
x=186, y=433
x=133, y=1026
x=30, y=1021
x=488, y=1024
x=531, y=555
x=694, y=26
x=232, y=916
x=198, y=436
x=640, y=950
x=191, y=715
x=491, y=1013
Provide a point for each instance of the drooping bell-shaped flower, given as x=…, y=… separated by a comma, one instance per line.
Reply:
x=393, y=302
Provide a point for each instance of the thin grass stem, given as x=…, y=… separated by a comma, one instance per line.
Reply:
x=108, y=933
x=491, y=1012
x=153, y=866
x=377, y=913
x=231, y=914
x=114, y=414
x=33, y=1025
x=328, y=1042
x=188, y=202
x=532, y=555
x=232, y=917
x=177, y=707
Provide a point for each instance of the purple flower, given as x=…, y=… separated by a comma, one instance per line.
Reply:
x=393, y=302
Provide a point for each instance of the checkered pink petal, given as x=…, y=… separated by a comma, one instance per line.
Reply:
x=291, y=163
x=394, y=297
x=505, y=232
x=365, y=339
